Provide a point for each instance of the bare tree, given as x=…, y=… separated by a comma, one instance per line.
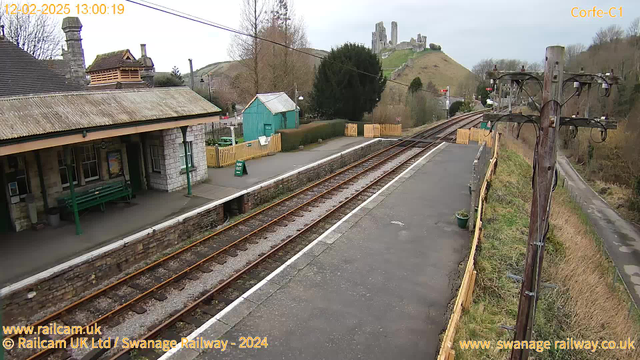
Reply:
x=608, y=34
x=246, y=49
x=482, y=67
x=286, y=67
x=39, y=34
x=634, y=28
x=534, y=67
x=571, y=54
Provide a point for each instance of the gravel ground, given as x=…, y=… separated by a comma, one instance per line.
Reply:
x=134, y=325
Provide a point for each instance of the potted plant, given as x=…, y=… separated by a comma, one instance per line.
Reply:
x=463, y=217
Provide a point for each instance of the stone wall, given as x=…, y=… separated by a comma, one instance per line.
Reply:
x=278, y=188
x=69, y=284
x=52, y=181
x=173, y=147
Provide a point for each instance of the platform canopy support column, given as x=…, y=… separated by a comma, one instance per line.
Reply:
x=68, y=158
x=186, y=158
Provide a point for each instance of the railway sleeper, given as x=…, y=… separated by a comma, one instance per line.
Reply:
x=159, y=296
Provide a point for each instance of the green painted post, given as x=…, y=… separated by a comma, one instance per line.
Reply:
x=74, y=205
x=186, y=158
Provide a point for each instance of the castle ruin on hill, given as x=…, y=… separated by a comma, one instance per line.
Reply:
x=379, y=41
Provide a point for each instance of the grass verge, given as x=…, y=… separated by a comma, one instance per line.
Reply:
x=588, y=303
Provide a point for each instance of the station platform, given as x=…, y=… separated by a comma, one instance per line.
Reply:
x=376, y=285
x=29, y=252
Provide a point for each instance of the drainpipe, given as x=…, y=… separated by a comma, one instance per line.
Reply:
x=42, y=185
x=186, y=157
x=74, y=204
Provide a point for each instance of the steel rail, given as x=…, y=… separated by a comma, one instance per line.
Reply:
x=181, y=274
x=100, y=291
x=218, y=252
x=156, y=331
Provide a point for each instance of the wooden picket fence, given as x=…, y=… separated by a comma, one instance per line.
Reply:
x=351, y=130
x=371, y=130
x=225, y=156
x=465, y=292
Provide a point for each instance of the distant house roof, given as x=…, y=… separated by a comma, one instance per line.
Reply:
x=277, y=102
x=26, y=116
x=21, y=73
x=114, y=60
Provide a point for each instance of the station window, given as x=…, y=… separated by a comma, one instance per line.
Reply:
x=64, y=178
x=189, y=155
x=17, y=177
x=89, y=159
x=156, y=158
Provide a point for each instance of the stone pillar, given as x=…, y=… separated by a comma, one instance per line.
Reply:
x=394, y=33
x=74, y=55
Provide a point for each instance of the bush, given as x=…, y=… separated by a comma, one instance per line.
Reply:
x=433, y=46
x=310, y=133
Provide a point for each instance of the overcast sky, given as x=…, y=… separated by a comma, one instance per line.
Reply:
x=467, y=30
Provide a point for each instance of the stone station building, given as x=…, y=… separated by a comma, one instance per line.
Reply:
x=133, y=136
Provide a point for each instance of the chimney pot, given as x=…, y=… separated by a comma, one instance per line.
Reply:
x=143, y=50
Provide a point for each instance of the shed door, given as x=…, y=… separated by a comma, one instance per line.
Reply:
x=268, y=130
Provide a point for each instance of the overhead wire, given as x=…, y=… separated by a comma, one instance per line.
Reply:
x=202, y=21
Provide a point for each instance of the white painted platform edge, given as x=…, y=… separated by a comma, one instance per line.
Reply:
x=257, y=286
x=139, y=235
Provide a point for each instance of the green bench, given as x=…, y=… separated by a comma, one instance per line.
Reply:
x=97, y=196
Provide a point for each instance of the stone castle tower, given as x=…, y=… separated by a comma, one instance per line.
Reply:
x=379, y=40
x=394, y=33
x=74, y=54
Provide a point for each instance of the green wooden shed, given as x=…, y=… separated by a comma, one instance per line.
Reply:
x=268, y=113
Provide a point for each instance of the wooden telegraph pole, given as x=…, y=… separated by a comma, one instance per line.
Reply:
x=547, y=126
x=543, y=180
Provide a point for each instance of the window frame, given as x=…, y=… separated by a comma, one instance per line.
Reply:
x=94, y=160
x=156, y=159
x=60, y=155
x=183, y=166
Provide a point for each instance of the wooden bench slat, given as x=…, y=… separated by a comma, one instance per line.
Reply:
x=97, y=196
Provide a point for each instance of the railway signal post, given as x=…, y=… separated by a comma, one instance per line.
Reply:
x=547, y=125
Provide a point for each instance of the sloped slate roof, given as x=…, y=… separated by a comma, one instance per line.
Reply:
x=276, y=102
x=25, y=116
x=113, y=60
x=21, y=73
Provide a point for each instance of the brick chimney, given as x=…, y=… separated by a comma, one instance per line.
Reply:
x=74, y=55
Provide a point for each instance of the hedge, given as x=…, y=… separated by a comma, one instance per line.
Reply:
x=310, y=133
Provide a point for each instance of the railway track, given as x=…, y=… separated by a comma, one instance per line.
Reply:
x=248, y=238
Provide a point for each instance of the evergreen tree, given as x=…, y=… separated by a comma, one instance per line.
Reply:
x=416, y=85
x=175, y=73
x=343, y=87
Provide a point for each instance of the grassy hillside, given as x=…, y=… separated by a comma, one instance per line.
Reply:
x=429, y=65
x=397, y=58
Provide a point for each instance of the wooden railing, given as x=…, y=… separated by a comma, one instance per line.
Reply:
x=225, y=156
x=465, y=293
